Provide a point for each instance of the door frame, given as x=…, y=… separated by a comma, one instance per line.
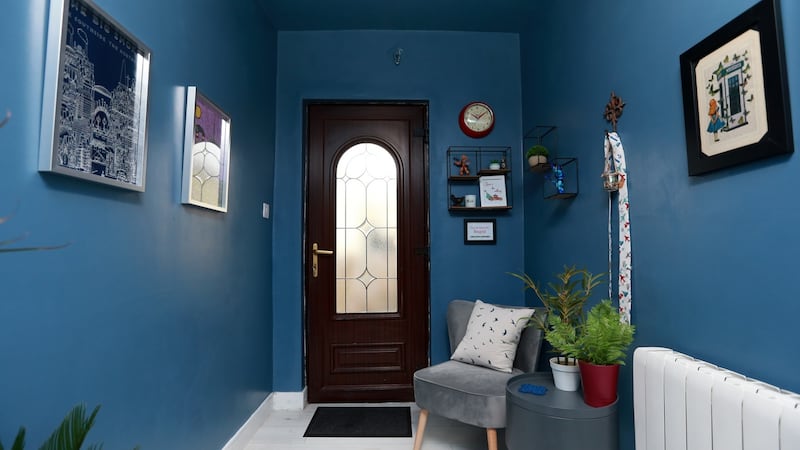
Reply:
x=305, y=243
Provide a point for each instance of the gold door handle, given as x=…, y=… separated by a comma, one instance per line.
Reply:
x=315, y=250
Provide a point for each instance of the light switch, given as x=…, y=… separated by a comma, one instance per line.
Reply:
x=265, y=210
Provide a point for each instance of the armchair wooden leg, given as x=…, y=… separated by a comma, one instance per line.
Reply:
x=491, y=436
x=423, y=420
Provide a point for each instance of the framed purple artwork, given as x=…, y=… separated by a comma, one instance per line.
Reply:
x=206, y=153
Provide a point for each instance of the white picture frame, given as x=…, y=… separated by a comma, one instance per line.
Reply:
x=94, y=104
x=492, y=191
x=206, y=153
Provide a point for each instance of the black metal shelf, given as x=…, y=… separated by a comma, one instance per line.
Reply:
x=547, y=135
x=479, y=158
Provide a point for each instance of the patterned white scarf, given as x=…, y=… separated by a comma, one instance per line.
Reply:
x=615, y=155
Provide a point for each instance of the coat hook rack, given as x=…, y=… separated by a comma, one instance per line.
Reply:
x=613, y=179
x=614, y=111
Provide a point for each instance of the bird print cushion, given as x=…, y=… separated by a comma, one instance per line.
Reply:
x=492, y=336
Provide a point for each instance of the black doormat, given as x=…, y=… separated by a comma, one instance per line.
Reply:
x=358, y=421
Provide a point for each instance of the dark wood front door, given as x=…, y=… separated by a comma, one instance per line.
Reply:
x=366, y=262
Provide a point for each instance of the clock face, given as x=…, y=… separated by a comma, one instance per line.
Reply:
x=477, y=119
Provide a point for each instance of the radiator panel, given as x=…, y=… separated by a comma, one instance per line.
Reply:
x=681, y=403
x=790, y=423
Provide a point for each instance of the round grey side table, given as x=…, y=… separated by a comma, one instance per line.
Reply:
x=557, y=420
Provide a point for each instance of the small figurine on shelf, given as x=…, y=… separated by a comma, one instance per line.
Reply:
x=463, y=164
x=503, y=163
x=557, y=178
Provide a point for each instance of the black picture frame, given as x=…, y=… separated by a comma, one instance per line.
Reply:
x=720, y=129
x=480, y=231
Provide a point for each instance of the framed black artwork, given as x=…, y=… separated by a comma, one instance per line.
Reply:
x=735, y=93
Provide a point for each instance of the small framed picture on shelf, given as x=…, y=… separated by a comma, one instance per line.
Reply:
x=480, y=231
x=493, y=191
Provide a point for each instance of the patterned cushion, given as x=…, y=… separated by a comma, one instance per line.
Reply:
x=492, y=336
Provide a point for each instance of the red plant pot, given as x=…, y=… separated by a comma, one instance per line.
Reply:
x=599, y=383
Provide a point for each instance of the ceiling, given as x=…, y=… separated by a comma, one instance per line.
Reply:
x=445, y=15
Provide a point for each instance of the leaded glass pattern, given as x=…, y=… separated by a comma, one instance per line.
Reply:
x=207, y=167
x=366, y=231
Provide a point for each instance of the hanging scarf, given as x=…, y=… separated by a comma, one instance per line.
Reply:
x=615, y=160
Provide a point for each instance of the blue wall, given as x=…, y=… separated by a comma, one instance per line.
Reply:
x=714, y=256
x=158, y=311
x=448, y=69
x=130, y=316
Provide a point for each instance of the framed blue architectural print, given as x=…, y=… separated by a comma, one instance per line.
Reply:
x=735, y=92
x=94, y=112
x=206, y=153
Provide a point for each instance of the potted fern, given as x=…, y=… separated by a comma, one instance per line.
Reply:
x=600, y=344
x=564, y=301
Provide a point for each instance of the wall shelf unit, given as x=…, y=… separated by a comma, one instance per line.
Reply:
x=561, y=181
x=559, y=174
x=490, y=185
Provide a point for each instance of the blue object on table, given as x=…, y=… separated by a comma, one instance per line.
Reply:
x=532, y=389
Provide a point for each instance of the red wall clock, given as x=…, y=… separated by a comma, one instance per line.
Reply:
x=476, y=119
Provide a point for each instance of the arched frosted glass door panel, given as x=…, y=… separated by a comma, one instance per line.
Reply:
x=366, y=231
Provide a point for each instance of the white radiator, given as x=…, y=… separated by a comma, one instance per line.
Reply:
x=681, y=403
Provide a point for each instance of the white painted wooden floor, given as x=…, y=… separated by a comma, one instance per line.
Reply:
x=284, y=430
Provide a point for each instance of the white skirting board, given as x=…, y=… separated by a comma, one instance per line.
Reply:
x=292, y=401
x=274, y=402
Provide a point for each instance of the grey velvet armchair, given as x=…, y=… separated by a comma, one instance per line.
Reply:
x=467, y=393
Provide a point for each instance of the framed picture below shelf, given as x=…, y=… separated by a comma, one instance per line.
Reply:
x=735, y=94
x=480, y=231
x=94, y=111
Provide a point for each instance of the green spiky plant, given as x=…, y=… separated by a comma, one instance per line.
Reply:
x=70, y=434
x=564, y=301
x=19, y=441
x=72, y=431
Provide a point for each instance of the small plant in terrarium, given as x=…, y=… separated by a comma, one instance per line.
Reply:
x=537, y=154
